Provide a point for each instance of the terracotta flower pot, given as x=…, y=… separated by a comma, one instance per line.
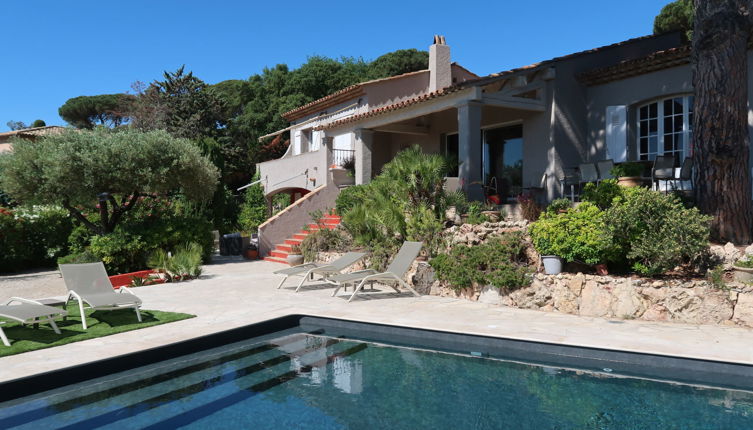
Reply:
x=601, y=269
x=251, y=254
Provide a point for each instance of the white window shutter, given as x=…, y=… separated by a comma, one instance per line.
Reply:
x=297, y=142
x=616, y=132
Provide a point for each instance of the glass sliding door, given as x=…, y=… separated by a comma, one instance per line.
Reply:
x=502, y=161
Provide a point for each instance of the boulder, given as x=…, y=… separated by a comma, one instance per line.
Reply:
x=595, y=300
x=627, y=302
x=743, y=313
x=490, y=295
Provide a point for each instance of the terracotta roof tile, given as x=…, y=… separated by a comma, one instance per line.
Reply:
x=656, y=61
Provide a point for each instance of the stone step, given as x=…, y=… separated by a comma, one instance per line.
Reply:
x=278, y=254
x=292, y=241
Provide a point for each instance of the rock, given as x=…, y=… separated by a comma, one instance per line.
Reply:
x=575, y=284
x=744, y=309
x=656, y=312
x=421, y=277
x=490, y=295
x=699, y=307
x=657, y=284
x=564, y=300
x=725, y=255
x=595, y=301
x=749, y=250
x=627, y=303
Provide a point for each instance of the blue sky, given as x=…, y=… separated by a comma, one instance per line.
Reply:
x=55, y=50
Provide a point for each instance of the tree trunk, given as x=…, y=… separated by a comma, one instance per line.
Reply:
x=720, y=128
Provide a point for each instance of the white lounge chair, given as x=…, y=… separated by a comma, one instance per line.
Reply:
x=394, y=273
x=28, y=312
x=325, y=270
x=88, y=284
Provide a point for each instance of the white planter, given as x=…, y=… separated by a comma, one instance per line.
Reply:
x=552, y=264
x=341, y=177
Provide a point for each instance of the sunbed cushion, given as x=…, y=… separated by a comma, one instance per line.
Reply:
x=111, y=299
x=27, y=311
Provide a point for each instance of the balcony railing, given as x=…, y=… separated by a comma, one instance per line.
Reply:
x=340, y=156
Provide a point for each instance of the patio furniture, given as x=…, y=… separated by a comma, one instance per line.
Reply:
x=394, y=273
x=663, y=170
x=686, y=172
x=605, y=169
x=588, y=173
x=325, y=270
x=28, y=312
x=570, y=178
x=88, y=284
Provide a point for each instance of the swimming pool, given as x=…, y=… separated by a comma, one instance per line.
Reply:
x=328, y=374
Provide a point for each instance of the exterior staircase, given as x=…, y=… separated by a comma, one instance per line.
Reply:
x=280, y=253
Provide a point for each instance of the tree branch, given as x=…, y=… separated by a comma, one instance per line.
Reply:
x=79, y=216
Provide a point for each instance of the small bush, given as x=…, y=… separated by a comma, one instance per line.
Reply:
x=500, y=262
x=457, y=199
x=120, y=251
x=79, y=258
x=528, y=207
x=602, y=194
x=654, y=232
x=423, y=226
x=627, y=170
x=580, y=234
x=474, y=213
x=350, y=197
x=559, y=205
x=33, y=237
x=323, y=240
x=183, y=265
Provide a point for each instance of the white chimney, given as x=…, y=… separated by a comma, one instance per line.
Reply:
x=440, y=71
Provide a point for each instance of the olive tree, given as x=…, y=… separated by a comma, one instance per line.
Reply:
x=104, y=169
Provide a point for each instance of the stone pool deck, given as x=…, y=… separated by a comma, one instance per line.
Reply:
x=234, y=294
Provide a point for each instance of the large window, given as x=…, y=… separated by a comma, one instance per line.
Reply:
x=450, y=150
x=664, y=128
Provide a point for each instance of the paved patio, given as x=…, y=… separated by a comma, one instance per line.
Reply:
x=238, y=293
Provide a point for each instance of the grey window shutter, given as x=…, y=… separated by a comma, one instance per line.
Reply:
x=616, y=133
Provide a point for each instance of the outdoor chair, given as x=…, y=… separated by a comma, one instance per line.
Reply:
x=89, y=285
x=663, y=170
x=605, y=169
x=686, y=172
x=28, y=312
x=571, y=179
x=308, y=270
x=394, y=273
x=588, y=173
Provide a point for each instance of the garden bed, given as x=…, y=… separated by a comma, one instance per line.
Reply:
x=126, y=279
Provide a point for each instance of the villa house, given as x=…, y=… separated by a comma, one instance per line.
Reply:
x=28, y=134
x=627, y=101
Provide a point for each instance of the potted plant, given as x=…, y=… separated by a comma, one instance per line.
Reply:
x=251, y=253
x=580, y=234
x=295, y=257
x=344, y=174
x=628, y=174
x=743, y=270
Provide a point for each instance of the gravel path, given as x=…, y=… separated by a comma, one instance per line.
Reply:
x=36, y=284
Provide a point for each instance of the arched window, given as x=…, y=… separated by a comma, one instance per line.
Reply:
x=665, y=128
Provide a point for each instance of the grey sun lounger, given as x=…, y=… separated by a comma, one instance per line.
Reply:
x=28, y=312
x=325, y=270
x=394, y=273
x=88, y=284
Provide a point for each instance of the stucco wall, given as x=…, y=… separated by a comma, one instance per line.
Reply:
x=394, y=90
x=306, y=171
x=631, y=92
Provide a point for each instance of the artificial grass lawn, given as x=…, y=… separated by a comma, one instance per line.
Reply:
x=25, y=338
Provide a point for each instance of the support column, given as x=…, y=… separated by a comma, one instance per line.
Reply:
x=364, y=144
x=327, y=145
x=469, y=149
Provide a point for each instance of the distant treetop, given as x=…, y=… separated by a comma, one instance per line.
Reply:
x=676, y=16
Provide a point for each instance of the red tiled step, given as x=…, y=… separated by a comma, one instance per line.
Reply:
x=279, y=254
x=276, y=260
x=292, y=242
x=299, y=236
x=283, y=247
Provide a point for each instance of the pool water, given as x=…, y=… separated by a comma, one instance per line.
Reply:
x=305, y=381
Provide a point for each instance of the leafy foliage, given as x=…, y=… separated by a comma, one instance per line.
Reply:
x=350, y=197
x=16, y=125
x=254, y=208
x=559, y=205
x=655, y=232
x=33, y=236
x=87, y=111
x=528, y=207
x=580, y=234
x=324, y=240
x=423, y=225
x=38, y=123
x=73, y=168
x=627, y=170
x=603, y=193
x=399, y=62
x=474, y=213
x=676, y=16
x=500, y=262
x=183, y=265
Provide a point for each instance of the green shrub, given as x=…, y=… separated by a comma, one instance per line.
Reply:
x=603, y=193
x=580, y=234
x=120, y=251
x=627, y=170
x=33, y=237
x=457, y=199
x=528, y=207
x=500, y=262
x=559, y=205
x=350, y=197
x=184, y=264
x=423, y=226
x=323, y=240
x=79, y=258
x=474, y=213
x=654, y=232
x=253, y=211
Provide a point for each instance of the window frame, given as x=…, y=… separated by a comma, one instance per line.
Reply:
x=661, y=134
